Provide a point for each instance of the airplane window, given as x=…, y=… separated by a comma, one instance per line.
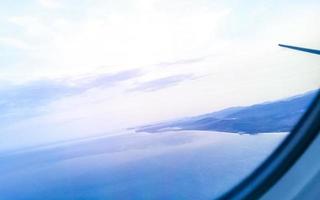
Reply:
x=149, y=99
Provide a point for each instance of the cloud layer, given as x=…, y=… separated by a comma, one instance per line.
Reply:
x=162, y=83
x=23, y=100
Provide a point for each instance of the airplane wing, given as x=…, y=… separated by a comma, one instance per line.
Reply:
x=314, y=51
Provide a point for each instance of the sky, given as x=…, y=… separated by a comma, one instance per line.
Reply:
x=72, y=69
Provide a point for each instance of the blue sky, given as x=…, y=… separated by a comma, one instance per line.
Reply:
x=73, y=69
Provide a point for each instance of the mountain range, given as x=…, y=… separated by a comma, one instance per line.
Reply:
x=276, y=116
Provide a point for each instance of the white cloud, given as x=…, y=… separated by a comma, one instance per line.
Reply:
x=34, y=29
x=16, y=43
x=50, y=3
x=142, y=36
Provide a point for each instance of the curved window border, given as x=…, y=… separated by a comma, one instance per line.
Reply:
x=282, y=159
